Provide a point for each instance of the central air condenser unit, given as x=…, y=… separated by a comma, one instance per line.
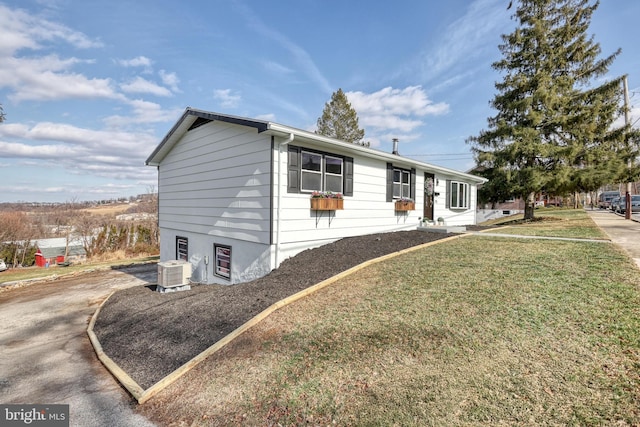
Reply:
x=174, y=273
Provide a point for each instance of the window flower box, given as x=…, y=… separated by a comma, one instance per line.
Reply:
x=326, y=201
x=404, y=205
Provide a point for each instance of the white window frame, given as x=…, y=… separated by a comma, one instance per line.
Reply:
x=404, y=188
x=304, y=171
x=459, y=195
x=326, y=173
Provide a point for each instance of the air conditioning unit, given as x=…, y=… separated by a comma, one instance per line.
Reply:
x=174, y=273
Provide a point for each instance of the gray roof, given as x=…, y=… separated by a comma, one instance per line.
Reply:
x=51, y=248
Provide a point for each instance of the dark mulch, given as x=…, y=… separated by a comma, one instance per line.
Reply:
x=149, y=334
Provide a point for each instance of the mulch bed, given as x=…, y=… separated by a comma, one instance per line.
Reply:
x=149, y=334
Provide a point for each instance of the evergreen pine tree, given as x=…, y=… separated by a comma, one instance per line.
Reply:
x=339, y=120
x=553, y=130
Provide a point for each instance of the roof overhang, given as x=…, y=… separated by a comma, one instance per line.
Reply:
x=193, y=118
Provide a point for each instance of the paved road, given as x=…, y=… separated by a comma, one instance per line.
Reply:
x=45, y=353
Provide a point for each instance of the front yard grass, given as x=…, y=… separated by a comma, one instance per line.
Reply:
x=476, y=331
x=552, y=222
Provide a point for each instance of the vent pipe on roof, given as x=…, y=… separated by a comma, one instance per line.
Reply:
x=395, y=146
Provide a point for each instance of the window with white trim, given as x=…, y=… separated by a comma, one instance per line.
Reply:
x=459, y=195
x=401, y=183
x=321, y=172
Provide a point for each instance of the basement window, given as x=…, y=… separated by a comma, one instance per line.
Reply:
x=182, y=248
x=222, y=267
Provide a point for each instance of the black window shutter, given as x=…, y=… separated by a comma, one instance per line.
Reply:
x=348, y=176
x=293, y=168
x=389, y=182
x=413, y=184
x=447, y=194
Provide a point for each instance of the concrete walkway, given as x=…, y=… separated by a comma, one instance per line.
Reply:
x=623, y=232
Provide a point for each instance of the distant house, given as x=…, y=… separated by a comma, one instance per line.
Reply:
x=52, y=251
x=234, y=193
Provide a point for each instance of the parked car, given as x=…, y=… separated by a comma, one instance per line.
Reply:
x=635, y=204
x=604, y=200
x=3, y=266
x=615, y=203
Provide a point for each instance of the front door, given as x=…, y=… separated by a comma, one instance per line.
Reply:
x=429, y=179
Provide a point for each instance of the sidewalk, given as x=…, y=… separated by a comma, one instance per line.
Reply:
x=623, y=232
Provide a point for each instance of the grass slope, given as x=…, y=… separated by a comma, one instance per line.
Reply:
x=476, y=331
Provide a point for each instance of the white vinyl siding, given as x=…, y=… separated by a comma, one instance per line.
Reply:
x=216, y=181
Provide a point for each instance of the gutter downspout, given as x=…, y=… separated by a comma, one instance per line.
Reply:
x=279, y=196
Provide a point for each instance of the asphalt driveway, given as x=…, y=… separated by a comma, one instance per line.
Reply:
x=45, y=353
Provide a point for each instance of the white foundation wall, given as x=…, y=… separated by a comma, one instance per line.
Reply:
x=249, y=260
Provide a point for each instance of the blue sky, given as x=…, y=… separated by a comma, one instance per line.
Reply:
x=90, y=88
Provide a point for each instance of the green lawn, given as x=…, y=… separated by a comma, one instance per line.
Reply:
x=552, y=222
x=475, y=331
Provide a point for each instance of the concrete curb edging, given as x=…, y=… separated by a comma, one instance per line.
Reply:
x=142, y=395
x=124, y=378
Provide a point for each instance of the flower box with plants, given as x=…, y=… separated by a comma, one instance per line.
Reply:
x=405, y=204
x=326, y=201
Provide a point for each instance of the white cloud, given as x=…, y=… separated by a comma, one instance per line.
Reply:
x=48, y=85
x=20, y=150
x=140, y=61
x=143, y=112
x=276, y=68
x=391, y=108
x=46, y=77
x=66, y=137
x=107, y=154
x=140, y=85
x=170, y=79
x=226, y=98
x=20, y=30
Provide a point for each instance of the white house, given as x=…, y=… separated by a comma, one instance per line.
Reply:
x=234, y=193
